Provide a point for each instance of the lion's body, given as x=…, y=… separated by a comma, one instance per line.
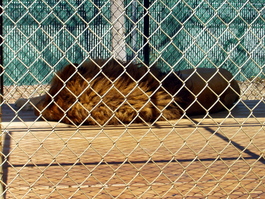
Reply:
x=104, y=92
x=213, y=89
x=108, y=95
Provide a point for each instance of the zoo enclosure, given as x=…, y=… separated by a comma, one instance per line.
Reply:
x=40, y=37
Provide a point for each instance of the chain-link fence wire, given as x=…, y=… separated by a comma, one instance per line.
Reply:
x=41, y=37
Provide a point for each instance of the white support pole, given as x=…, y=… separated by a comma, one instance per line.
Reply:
x=118, y=29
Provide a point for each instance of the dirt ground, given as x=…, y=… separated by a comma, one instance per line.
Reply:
x=52, y=171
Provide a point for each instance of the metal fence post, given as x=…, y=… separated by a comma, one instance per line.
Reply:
x=1, y=98
x=146, y=48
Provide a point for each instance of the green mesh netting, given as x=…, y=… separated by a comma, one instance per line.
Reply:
x=42, y=36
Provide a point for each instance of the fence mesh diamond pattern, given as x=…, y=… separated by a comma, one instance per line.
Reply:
x=197, y=157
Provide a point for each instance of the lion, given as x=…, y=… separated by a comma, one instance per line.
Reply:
x=100, y=92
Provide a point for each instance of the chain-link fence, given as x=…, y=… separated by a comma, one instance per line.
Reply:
x=207, y=156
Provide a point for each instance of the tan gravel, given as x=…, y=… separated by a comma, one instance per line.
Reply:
x=13, y=93
x=249, y=91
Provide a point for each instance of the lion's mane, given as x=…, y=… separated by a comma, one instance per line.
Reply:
x=112, y=92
